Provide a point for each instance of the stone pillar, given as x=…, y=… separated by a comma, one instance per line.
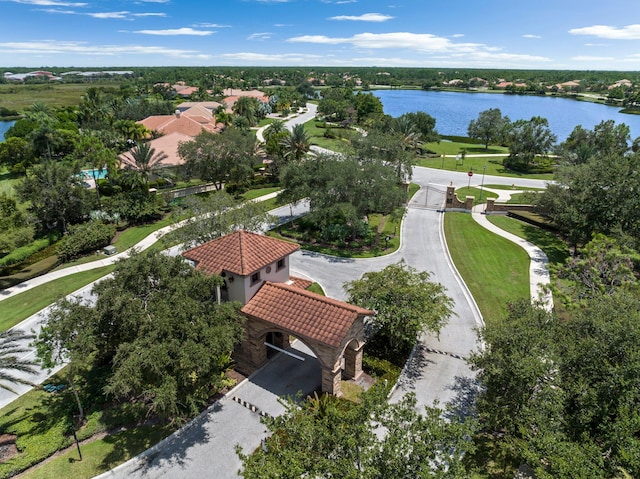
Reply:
x=281, y=340
x=331, y=381
x=491, y=203
x=451, y=192
x=468, y=204
x=353, y=362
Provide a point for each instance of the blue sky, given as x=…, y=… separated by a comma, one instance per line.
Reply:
x=560, y=34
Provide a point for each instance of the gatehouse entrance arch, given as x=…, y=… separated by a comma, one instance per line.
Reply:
x=333, y=331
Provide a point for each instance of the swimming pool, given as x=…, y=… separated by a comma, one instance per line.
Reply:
x=99, y=173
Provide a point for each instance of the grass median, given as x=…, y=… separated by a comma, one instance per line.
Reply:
x=495, y=269
x=17, y=308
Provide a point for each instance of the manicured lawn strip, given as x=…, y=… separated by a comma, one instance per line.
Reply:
x=494, y=167
x=495, y=269
x=253, y=194
x=475, y=192
x=17, y=308
x=132, y=236
x=455, y=148
x=554, y=247
x=316, y=288
x=101, y=455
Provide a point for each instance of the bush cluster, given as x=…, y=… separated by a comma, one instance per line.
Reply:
x=85, y=238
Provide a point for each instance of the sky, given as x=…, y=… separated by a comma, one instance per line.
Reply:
x=509, y=34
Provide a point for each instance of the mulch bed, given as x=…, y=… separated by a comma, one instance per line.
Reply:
x=8, y=447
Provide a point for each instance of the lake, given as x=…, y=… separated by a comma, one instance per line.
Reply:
x=4, y=126
x=453, y=111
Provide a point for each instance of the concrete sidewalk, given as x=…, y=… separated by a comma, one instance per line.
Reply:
x=539, y=279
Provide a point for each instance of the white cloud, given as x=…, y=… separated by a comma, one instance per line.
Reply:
x=109, y=14
x=261, y=36
x=587, y=58
x=457, y=35
x=176, y=31
x=50, y=3
x=51, y=47
x=531, y=36
x=273, y=58
x=421, y=42
x=149, y=14
x=630, y=32
x=367, y=17
x=211, y=25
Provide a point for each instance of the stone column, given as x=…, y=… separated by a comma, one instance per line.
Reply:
x=468, y=204
x=331, y=381
x=353, y=362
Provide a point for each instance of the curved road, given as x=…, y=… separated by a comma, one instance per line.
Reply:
x=437, y=370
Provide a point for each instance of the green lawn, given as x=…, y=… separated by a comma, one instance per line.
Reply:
x=454, y=148
x=41, y=422
x=17, y=308
x=475, y=192
x=513, y=187
x=101, y=455
x=253, y=194
x=8, y=181
x=495, y=269
x=20, y=97
x=553, y=246
x=339, y=144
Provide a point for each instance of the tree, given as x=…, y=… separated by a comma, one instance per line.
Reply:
x=423, y=124
x=594, y=197
x=89, y=149
x=489, y=127
x=220, y=157
x=247, y=107
x=603, y=267
x=372, y=439
x=297, y=143
x=406, y=304
x=343, y=190
x=15, y=153
x=157, y=331
x=217, y=215
x=556, y=394
x=142, y=161
x=12, y=358
x=606, y=138
x=530, y=142
x=56, y=195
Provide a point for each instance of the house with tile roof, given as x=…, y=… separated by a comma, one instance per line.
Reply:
x=278, y=306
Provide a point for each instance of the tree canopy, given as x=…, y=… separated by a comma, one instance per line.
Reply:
x=157, y=330
x=562, y=395
x=373, y=439
x=405, y=301
x=490, y=127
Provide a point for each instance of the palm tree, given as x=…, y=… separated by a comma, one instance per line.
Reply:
x=142, y=162
x=297, y=144
x=247, y=107
x=11, y=358
x=273, y=129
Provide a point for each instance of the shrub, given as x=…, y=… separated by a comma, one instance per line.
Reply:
x=85, y=238
x=21, y=254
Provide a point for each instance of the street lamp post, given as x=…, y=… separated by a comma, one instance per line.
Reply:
x=442, y=162
x=484, y=170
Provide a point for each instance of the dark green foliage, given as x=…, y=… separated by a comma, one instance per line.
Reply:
x=85, y=238
x=562, y=395
x=135, y=207
x=530, y=142
x=156, y=330
x=327, y=437
x=406, y=304
x=220, y=157
x=490, y=127
x=56, y=195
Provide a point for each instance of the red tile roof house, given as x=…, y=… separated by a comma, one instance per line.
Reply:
x=177, y=128
x=255, y=269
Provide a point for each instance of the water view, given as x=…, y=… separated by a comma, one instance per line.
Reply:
x=4, y=126
x=453, y=111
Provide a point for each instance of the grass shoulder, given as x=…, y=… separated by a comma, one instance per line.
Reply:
x=495, y=270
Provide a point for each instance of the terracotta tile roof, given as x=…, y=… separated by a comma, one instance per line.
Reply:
x=299, y=282
x=183, y=123
x=304, y=314
x=241, y=253
x=167, y=144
